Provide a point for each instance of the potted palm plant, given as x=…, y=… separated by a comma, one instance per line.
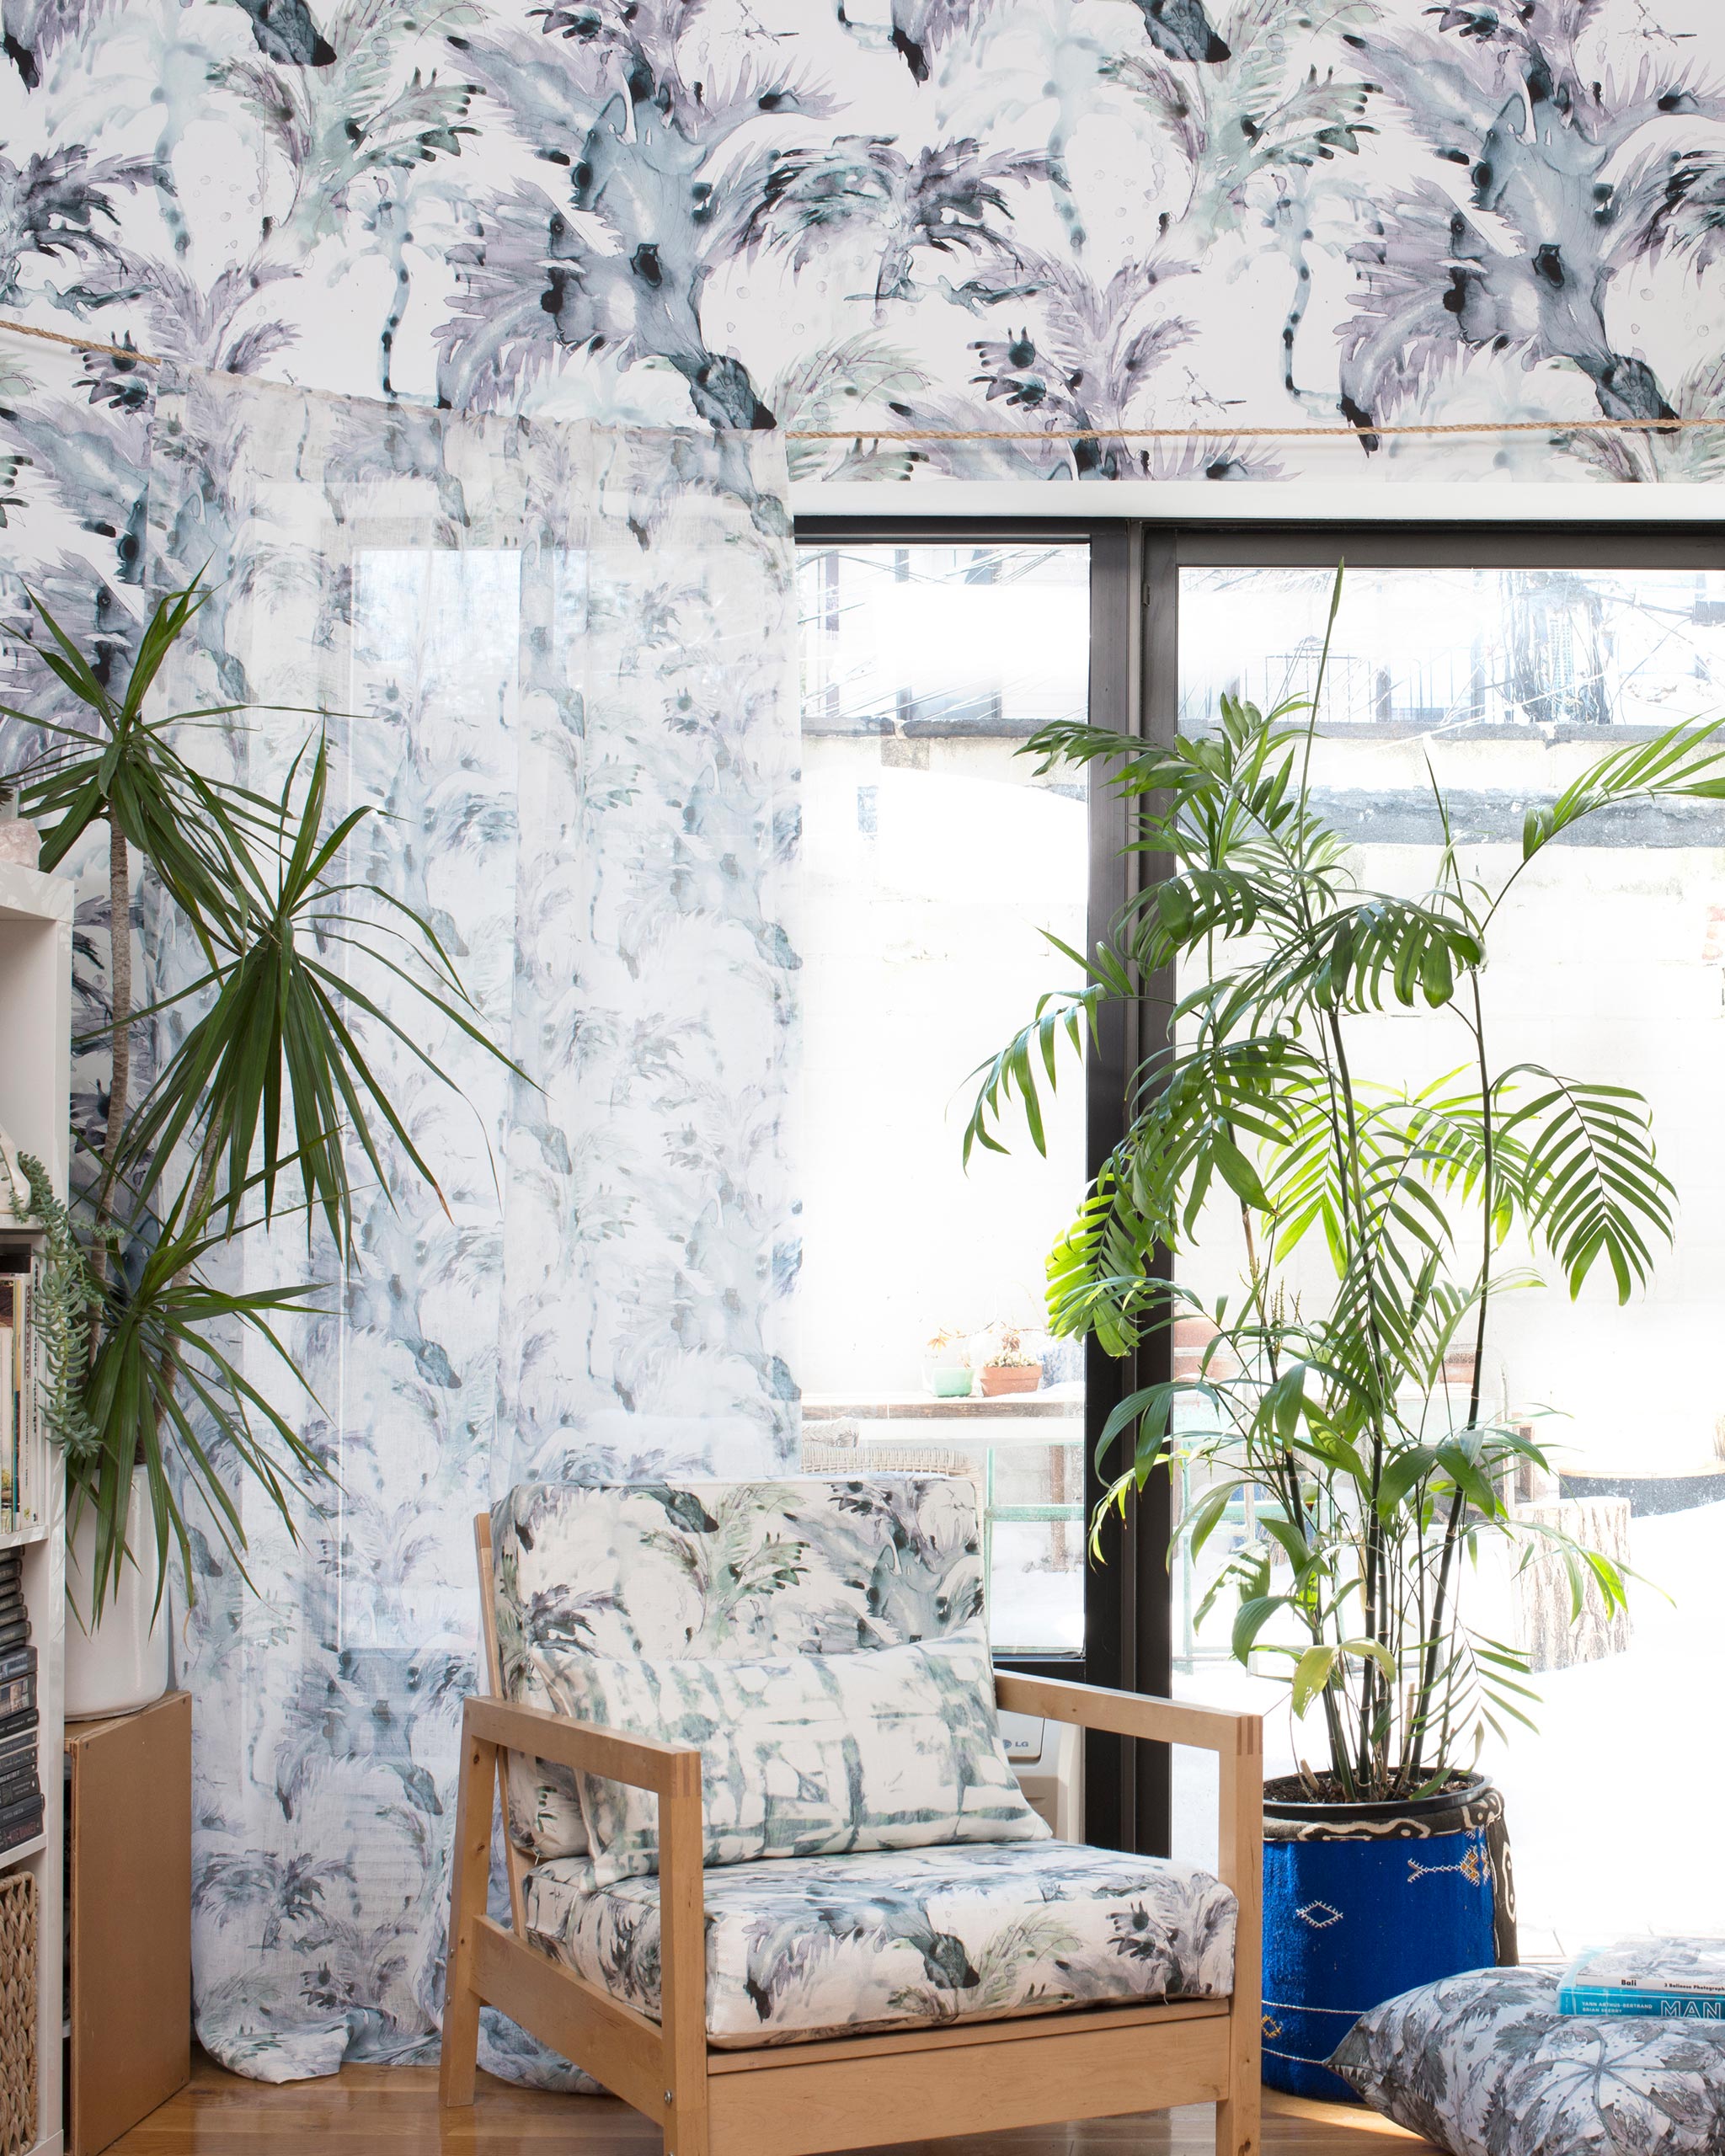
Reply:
x=1336, y=1400
x=248, y=1116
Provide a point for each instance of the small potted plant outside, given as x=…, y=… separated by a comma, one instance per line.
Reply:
x=1007, y=1366
x=946, y=1365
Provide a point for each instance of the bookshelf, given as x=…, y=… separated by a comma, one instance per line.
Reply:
x=35, y=1035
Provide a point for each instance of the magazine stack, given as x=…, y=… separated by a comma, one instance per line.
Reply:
x=1662, y=1979
x=20, y=1790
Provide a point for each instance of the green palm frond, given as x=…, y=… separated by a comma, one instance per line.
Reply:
x=166, y=1394
x=190, y=828
x=277, y=1038
x=1593, y=1187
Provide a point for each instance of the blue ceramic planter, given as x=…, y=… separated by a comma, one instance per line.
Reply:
x=1362, y=1902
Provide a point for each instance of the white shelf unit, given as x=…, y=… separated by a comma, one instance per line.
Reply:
x=36, y=1076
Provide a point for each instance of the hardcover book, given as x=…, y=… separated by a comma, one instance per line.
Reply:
x=20, y=1822
x=17, y=1682
x=11, y=1837
x=1657, y=1979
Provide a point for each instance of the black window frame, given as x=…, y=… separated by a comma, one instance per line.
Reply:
x=1135, y=624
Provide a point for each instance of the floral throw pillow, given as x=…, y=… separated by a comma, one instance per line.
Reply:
x=813, y=1755
x=1484, y=2065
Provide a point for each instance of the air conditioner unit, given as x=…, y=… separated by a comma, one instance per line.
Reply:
x=1048, y=1758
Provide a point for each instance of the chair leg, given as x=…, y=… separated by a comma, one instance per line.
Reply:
x=469, y=1877
x=1239, y=2120
x=682, y=1935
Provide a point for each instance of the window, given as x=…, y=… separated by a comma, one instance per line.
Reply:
x=937, y=861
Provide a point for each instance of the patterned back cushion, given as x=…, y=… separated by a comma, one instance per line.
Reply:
x=809, y=1755
x=732, y=1569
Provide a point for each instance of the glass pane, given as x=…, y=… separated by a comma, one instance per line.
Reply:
x=1607, y=966
x=934, y=859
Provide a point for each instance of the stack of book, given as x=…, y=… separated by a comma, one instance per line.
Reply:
x=20, y=1462
x=20, y=1789
x=1663, y=1979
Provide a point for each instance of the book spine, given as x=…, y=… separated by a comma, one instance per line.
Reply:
x=8, y=1434
x=18, y=1694
x=1615, y=2001
x=35, y=1476
x=23, y=1334
x=23, y=1827
x=12, y=1814
x=31, y=1447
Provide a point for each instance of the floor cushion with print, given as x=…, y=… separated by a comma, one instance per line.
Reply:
x=1484, y=2065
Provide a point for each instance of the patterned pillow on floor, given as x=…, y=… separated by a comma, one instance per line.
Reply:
x=1484, y=2065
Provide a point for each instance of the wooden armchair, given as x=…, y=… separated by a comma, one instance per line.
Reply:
x=799, y=2098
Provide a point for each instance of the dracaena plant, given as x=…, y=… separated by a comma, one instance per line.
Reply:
x=249, y=1120
x=1382, y=1224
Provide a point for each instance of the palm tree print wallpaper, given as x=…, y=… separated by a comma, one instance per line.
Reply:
x=953, y=216
x=870, y=218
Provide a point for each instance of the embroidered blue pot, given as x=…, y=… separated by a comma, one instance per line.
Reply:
x=1362, y=1902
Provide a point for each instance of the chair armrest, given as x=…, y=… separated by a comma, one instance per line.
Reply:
x=1131, y=1714
x=490, y=1727
x=1237, y=1741
x=670, y=1770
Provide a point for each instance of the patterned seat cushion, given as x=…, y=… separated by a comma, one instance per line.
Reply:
x=819, y=1566
x=801, y=1947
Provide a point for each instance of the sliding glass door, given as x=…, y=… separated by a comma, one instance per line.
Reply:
x=1502, y=659
x=1501, y=684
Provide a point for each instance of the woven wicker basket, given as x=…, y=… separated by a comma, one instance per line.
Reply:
x=18, y=2012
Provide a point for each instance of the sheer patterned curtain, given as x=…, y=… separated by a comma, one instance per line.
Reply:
x=558, y=657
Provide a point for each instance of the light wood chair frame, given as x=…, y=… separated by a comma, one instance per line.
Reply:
x=812, y=2099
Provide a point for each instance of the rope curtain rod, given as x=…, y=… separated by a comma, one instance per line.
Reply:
x=1348, y=432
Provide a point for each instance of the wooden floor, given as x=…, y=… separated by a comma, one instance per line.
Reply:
x=392, y=2111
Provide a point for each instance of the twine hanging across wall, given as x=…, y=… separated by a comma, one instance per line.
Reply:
x=1372, y=432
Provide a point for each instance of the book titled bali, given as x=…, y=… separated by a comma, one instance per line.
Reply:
x=1659, y=1979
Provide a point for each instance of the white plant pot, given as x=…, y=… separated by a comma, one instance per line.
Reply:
x=123, y=1662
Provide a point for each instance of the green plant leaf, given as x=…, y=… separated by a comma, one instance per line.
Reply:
x=1311, y=1675
x=1253, y=1615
